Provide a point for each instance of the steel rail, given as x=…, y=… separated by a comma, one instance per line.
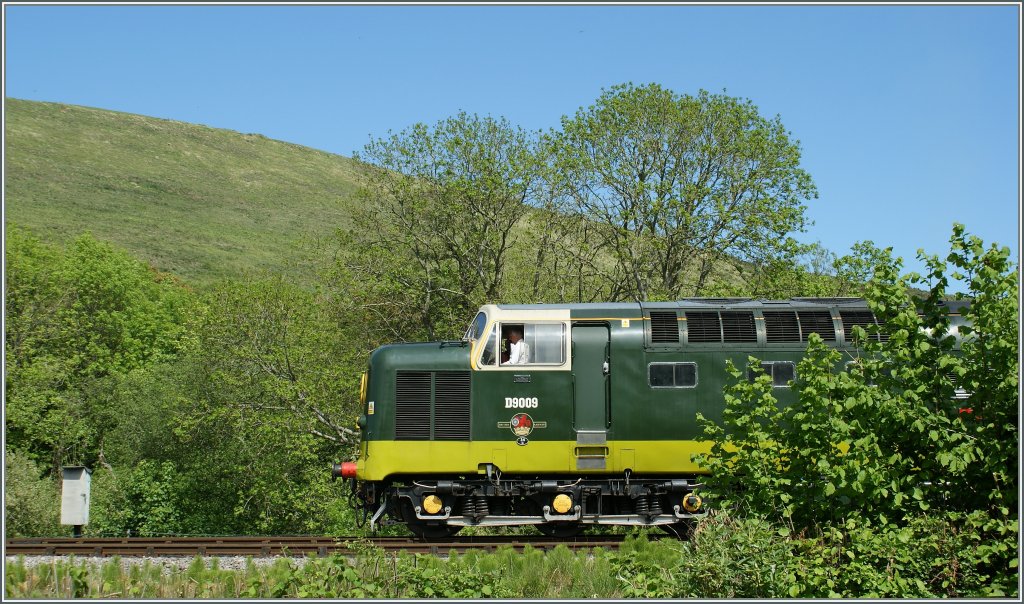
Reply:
x=285, y=545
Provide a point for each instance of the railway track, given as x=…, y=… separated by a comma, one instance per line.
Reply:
x=284, y=546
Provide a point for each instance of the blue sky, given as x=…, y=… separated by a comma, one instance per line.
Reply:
x=907, y=115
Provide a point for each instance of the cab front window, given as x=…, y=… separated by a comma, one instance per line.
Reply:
x=476, y=328
x=489, y=355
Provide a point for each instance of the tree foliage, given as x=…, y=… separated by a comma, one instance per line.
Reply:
x=201, y=413
x=270, y=402
x=79, y=320
x=441, y=206
x=882, y=438
x=266, y=349
x=677, y=186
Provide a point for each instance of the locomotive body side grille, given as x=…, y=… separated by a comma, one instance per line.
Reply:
x=738, y=326
x=819, y=322
x=703, y=326
x=781, y=326
x=664, y=326
x=451, y=405
x=412, y=405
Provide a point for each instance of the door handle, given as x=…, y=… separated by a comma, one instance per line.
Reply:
x=604, y=368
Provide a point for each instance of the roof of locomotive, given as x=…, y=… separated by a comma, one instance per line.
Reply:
x=731, y=303
x=954, y=306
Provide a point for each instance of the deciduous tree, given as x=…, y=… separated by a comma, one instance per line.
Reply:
x=678, y=187
x=442, y=204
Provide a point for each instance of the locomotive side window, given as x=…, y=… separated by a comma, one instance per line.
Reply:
x=672, y=375
x=856, y=365
x=782, y=372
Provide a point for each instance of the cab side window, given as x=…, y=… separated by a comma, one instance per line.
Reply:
x=547, y=341
x=532, y=344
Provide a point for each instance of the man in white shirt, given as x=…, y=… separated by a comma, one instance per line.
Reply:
x=519, y=352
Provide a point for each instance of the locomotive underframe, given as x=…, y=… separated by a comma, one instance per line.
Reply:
x=517, y=501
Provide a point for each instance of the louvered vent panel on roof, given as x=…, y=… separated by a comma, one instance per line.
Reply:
x=718, y=300
x=703, y=326
x=852, y=318
x=738, y=326
x=664, y=326
x=819, y=322
x=451, y=405
x=781, y=326
x=412, y=405
x=830, y=300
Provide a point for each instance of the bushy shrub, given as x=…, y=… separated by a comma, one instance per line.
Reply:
x=884, y=437
x=956, y=555
x=140, y=501
x=31, y=500
x=878, y=457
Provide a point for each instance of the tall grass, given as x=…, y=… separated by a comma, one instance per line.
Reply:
x=726, y=558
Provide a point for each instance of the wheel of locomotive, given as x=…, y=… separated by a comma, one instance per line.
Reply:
x=423, y=529
x=558, y=530
x=561, y=530
x=682, y=529
x=432, y=532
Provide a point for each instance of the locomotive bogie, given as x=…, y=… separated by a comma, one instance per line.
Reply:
x=499, y=502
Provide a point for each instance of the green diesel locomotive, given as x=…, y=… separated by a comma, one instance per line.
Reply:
x=563, y=416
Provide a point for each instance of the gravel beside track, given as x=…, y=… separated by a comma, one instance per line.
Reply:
x=169, y=564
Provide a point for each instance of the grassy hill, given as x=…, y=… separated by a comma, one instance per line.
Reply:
x=199, y=202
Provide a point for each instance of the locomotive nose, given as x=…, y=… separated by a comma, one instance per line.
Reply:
x=345, y=469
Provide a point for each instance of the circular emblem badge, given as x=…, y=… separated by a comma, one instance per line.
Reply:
x=522, y=424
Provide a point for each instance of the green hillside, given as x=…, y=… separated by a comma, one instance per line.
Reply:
x=199, y=202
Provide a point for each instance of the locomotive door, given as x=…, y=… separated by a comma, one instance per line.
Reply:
x=590, y=369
